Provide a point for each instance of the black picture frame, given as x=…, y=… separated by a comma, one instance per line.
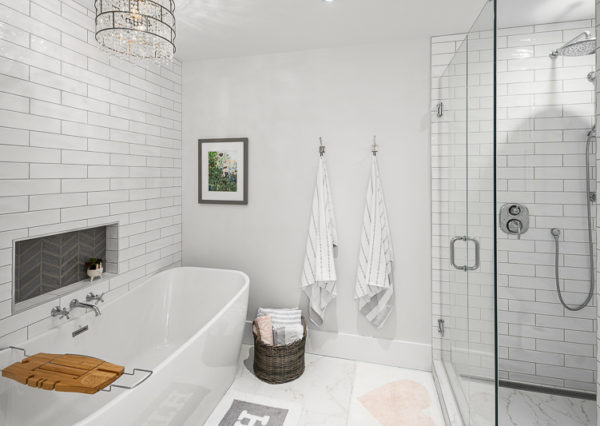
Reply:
x=201, y=163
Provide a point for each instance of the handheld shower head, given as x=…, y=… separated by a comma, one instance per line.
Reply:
x=582, y=45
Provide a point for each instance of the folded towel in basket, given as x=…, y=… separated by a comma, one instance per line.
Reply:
x=265, y=328
x=284, y=335
x=282, y=317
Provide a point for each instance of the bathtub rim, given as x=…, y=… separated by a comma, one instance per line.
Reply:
x=243, y=290
x=192, y=338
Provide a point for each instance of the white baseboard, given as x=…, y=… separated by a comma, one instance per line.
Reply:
x=396, y=353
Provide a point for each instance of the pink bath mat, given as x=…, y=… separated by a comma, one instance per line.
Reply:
x=399, y=403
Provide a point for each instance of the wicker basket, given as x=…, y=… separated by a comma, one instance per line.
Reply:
x=278, y=364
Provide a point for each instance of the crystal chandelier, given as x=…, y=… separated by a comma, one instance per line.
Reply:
x=141, y=29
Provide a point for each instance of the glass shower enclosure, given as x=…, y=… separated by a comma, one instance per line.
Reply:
x=514, y=183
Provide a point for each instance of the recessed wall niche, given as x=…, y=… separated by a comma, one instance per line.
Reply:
x=46, y=264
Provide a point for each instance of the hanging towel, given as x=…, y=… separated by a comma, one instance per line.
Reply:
x=374, y=282
x=318, y=276
x=282, y=317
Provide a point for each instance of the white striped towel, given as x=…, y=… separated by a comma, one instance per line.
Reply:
x=374, y=282
x=288, y=334
x=318, y=275
x=282, y=317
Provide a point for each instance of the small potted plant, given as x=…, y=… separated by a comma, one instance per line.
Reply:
x=94, y=268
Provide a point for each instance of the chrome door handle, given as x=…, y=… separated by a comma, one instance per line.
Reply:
x=452, y=260
x=477, y=255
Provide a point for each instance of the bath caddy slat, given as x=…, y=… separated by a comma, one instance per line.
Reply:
x=64, y=373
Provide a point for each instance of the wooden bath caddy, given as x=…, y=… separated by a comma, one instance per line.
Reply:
x=64, y=373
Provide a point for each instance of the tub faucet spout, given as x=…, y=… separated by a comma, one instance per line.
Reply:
x=77, y=304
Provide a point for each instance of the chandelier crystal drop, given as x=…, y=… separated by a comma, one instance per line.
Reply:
x=140, y=29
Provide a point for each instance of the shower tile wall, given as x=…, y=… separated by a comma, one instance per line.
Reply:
x=597, y=215
x=545, y=109
x=84, y=141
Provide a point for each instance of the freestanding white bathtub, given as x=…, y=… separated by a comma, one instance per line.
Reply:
x=184, y=324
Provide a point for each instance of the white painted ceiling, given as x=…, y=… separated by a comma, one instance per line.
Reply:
x=224, y=28
x=515, y=13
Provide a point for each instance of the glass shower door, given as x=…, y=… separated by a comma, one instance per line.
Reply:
x=465, y=136
x=453, y=143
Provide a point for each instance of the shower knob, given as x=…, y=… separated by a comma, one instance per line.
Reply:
x=514, y=226
x=515, y=210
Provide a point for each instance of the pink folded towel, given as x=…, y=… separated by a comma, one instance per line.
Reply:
x=265, y=327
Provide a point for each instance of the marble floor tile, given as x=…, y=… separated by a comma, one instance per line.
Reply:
x=523, y=408
x=481, y=401
x=329, y=392
x=323, y=390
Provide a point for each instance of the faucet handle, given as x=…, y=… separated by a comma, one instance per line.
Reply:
x=97, y=297
x=515, y=226
x=61, y=313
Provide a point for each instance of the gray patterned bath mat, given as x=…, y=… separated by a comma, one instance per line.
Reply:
x=244, y=413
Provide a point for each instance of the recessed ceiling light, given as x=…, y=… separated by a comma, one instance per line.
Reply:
x=328, y=1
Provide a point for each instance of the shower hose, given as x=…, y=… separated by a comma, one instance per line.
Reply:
x=556, y=234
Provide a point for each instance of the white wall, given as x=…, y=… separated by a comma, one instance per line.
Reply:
x=283, y=103
x=84, y=141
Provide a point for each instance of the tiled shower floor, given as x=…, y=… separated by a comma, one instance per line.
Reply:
x=337, y=392
x=523, y=408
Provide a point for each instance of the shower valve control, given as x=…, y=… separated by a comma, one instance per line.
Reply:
x=514, y=219
x=515, y=210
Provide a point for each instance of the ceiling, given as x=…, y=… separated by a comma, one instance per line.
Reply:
x=514, y=13
x=224, y=28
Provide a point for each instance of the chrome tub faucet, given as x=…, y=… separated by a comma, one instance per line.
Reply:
x=77, y=304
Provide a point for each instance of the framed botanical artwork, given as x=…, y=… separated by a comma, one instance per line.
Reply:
x=223, y=171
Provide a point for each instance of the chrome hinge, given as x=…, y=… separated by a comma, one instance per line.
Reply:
x=441, y=328
x=440, y=109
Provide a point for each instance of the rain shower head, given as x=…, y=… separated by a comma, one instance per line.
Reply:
x=582, y=45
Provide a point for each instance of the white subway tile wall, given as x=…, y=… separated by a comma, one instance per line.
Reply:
x=597, y=363
x=85, y=139
x=545, y=109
